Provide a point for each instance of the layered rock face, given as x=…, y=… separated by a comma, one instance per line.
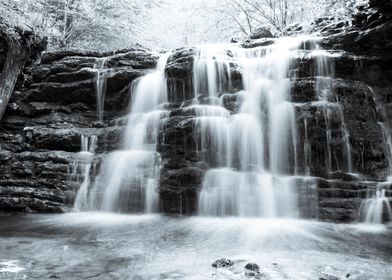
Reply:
x=55, y=106
x=342, y=144
x=52, y=109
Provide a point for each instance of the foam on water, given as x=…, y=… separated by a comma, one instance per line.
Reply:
x=11, y=266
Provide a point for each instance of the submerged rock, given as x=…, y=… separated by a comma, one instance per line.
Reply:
x=252, y=270
x=252, y=267
x=330, y=273
x=223, y=262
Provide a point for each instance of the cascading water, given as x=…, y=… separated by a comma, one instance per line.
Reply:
x=307, y=149
x=88, y=146
x=328, y=105
x=210, y=70
x=388, y=147
x=100, y=85
x=129, y=177
x=251, y=152
x=376, y=209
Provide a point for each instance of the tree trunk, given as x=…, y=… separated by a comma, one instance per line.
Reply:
x=17, y=56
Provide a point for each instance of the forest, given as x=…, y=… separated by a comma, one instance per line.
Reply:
x=113, y=24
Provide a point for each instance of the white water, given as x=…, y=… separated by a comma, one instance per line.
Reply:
x=374, y=209
x=307, y=149
x=253, y=158
x=324, y=75
x=252, y=151
x=128, y=178
x=81, y=196
x=246, y=194
x=100, y=85
x=210, y=70
x=86, y=156
x=388, y=145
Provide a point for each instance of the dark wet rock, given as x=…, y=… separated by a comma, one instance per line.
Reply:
x=257, y=43
x=222, y=263
x=252, y=267
x=29, y=205
x=384, y=7
x=261, y=32
x=255, y=275
x=344, y=176
x=180, y=63
x=340, y=200
x=3, y=52
x=252, y=271
x=371, y=41
x=232, y=102
x=339, y=193
x=138, y=58
x=179, y=187
x=293, y=29
x=179, y=71
x=366, y=138
x=39, y=181
x=49, y=113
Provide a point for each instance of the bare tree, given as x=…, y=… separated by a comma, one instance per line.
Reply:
x=268, y=12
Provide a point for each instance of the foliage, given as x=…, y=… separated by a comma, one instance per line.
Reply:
x=247, y=15
x=110, y=24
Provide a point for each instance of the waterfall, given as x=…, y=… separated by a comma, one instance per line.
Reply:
x=88, y=145
x=329, y=105
x=81, y=196
x=128, y=178
x=307, y=149
x=388, y=147
x=253, y=151
x=376, y=209
x=250, y=151
x=384, y=124
x=211, y=70
x=100, y=85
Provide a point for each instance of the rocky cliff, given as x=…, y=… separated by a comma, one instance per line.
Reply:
x=55, y=105
x=360, y=55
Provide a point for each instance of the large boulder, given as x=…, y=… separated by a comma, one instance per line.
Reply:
x=261, y=32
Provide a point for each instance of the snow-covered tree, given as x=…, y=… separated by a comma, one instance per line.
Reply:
x=111, y=24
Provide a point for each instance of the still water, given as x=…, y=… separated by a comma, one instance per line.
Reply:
x=113, y=246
